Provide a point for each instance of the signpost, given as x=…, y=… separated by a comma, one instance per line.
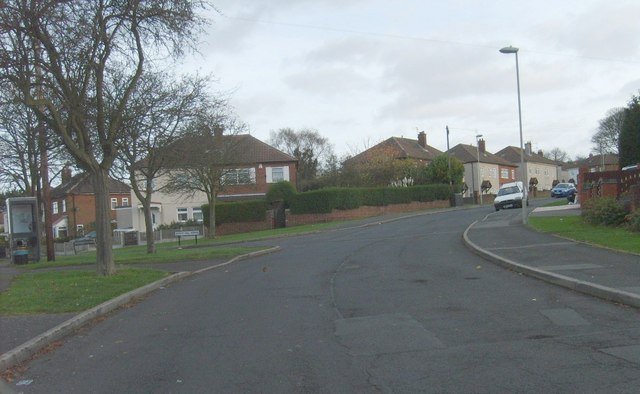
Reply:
x=190, y=233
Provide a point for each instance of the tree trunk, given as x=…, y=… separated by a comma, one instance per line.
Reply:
x=148, y=226
x=104, y=253
x=212, y=218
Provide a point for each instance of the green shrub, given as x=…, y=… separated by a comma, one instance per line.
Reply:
x=373, y=196
x=632, y=221
x=281, y=191
x=316, y=201
x=237, y=212
x=178, y=225
x=325, y=200
x=347, y=198
x=603, y=211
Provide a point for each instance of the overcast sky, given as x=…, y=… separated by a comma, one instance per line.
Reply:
x=362, y=71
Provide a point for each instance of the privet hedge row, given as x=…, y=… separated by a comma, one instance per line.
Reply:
x=325, y=200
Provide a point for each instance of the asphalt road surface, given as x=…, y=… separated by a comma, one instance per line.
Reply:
x=401, y=307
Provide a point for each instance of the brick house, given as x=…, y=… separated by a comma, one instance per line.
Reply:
x=248, y=173
x=73, y=204
x=492, y=168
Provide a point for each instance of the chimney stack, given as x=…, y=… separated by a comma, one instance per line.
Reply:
x=482, y=146
x=422, y=139
x=66, y=174
x=527, y=148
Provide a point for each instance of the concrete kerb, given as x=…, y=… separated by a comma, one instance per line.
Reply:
x=33, y=346
x=584, y=287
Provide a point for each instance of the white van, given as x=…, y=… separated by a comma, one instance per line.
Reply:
x=511, y=195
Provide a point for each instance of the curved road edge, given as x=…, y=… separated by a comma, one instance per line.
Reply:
x=584, y=287
x=33, y=346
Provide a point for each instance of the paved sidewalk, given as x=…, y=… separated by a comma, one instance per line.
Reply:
x=599, y=272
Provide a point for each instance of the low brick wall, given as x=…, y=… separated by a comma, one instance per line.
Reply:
x=362, y=212
x=245, y=227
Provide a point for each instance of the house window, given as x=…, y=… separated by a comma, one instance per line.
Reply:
x=183, y=214
x=240, y=176
x=125, y=201
x=513, y=174
x=197, y=214
x=493, y=172
x=55, y=207
x=504, y=173
x=277, y=174
x=114, y=203
x=62, y=232
x=64, y=205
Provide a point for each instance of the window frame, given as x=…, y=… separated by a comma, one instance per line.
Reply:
x=182, y=211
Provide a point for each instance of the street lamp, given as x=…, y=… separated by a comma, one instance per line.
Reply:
x=509, y=50
x=478, y=136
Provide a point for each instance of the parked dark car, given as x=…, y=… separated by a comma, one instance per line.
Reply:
x=563, y=190
x=88, y=239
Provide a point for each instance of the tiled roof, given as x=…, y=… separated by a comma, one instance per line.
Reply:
x=399, y=148
x=469, y=154
x=81, y=184
x=242, y=149
x=596, y=160
x=413, y=150
x=512, y=154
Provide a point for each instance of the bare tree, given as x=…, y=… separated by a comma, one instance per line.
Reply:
x=312, y=150
x=31, y=155
x=77, y=63
x=19, y=149
x=199, y=161
x=606, y=138
x=160, y=110
x=557, y=155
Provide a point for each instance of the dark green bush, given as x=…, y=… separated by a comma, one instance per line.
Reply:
x=632, y=221
x=178, y=225
x=237, y=212
x=316, y=201
x=373, y=196
x=603, y=211
x=281, y=191
x=347, y=198
x=325, y=200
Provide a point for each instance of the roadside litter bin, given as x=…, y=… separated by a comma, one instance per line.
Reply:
x=20, y=257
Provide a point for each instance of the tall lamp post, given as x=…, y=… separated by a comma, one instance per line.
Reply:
x=478, y=150
x=523, y=174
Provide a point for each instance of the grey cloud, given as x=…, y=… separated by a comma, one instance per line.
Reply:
x=608, y=30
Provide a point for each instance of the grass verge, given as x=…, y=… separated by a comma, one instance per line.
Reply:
x=70, y=291
x=557, y=203
x=573, y=227
x=168, y=252
x=165, y=253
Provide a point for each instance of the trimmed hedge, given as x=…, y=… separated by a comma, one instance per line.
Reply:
x=237, y=212
x=325, y=200
x=281, y=191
